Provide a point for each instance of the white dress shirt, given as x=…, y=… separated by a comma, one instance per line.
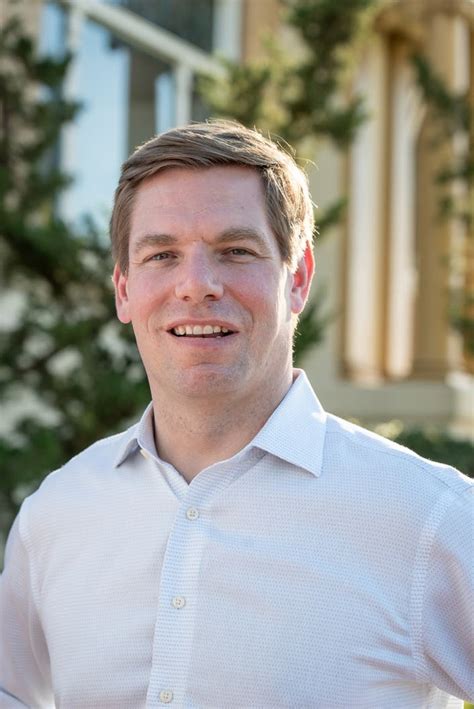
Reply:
x=322, y=566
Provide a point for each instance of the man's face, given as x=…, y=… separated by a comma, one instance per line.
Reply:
x=206, y=291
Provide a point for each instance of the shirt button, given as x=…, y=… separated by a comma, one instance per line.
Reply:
x=166, y=696
x=178, y=602
x=192, y=513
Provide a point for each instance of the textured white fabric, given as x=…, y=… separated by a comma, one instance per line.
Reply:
x=322, y=566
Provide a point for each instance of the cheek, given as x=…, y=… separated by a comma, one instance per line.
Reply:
x=145, y=293
x=266, y=298
x=143, y=314
x=254, y=292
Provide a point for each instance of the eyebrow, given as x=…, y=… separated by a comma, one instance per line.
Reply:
x=243, y=234
x=233, y=234
x=153, y=240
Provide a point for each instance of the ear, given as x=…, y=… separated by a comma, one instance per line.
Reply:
x=122, y=304
x=301, y=281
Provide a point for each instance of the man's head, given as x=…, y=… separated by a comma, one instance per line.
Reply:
x=219, y=143
x=212, y=237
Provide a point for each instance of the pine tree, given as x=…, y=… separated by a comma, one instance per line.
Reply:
x=71, y=374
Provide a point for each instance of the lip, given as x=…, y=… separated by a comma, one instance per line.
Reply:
x=203, y=344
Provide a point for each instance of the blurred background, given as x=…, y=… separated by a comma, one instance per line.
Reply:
x=375, y=97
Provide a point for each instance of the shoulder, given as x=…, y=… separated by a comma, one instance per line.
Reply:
x=85, y=477
x=369, y=456
x=98, y=458
x=418, y=507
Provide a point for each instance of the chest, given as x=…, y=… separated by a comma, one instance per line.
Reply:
x=223, y=605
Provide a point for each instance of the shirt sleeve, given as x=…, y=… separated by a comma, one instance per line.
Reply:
x=24, y=661
x=446, y=597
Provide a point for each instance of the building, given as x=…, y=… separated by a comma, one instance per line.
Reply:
x=390, y=353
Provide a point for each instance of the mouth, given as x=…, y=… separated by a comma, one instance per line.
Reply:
x=207, y=331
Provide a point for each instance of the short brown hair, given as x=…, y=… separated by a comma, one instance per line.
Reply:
x=219, y=142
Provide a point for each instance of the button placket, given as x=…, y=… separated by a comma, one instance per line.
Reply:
x=173, y=640
x=174, y=630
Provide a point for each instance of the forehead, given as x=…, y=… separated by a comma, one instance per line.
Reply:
x=201, y=195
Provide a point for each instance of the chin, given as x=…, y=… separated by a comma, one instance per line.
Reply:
x=206, y=380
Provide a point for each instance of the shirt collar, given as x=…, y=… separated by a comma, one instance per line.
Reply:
x=140, y=435
x=294, y=432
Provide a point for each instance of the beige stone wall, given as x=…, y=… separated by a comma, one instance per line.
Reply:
x=391, y=352
x=260, y=18
x=28, y=10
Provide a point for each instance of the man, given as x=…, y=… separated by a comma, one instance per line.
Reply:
x=238, y=547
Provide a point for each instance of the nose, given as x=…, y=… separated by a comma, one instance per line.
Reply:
x=198, y=279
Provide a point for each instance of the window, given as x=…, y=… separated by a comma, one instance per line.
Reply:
x=127, y=93
x=192, y=21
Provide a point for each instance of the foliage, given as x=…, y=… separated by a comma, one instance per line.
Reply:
x=75, y=375
x=451, y=116
x=326, y=27
x=296, y=97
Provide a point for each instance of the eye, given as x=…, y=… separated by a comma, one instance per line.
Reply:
x=239, y=251
x=162, y=256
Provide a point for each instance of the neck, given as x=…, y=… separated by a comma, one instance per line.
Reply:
x=194, y=434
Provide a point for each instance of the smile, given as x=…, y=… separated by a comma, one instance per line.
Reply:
x=200, y=331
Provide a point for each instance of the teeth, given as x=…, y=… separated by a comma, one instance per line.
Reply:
x=200, y=330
